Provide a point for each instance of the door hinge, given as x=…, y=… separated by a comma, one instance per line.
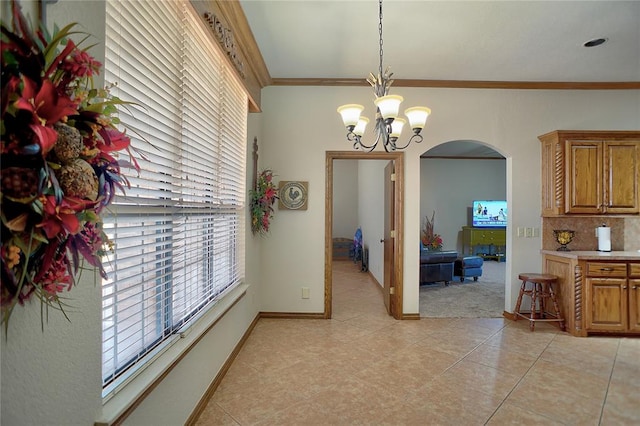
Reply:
x=392, y=290
x=393, y=234
x=393, y=177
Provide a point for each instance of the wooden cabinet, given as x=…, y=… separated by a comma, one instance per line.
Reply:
x=590, y=173
x=485, y=242
x=611, y=297
x=596, y=296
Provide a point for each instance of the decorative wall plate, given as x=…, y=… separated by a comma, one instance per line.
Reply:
x=293, y=195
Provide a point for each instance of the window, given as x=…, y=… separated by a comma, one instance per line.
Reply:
x=179, y=230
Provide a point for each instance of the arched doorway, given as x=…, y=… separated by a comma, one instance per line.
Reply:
x=453, y=175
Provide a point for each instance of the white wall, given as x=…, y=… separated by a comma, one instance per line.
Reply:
x=449, y=186
x=345, y=198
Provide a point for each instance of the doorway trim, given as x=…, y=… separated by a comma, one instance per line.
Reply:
x=398, y=243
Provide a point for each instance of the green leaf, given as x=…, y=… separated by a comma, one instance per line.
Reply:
x=51, y=51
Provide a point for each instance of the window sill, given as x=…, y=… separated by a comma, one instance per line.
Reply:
x=122, y=396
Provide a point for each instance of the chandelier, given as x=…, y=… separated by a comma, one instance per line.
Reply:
x=388, y=124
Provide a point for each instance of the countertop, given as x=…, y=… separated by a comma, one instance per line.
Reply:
x=595, y=255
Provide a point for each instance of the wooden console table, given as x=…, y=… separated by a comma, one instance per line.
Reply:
x=489, y=243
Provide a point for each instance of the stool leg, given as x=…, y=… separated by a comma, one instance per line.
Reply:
x=555, y=306
x=534, y=297
x=519, y=301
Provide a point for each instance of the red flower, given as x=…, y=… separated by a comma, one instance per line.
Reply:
x=57, y=278
x=60, y=217
x=53, y=276
x=270, y=194
x=80, y=64
x=113, y=140
x=47, y=107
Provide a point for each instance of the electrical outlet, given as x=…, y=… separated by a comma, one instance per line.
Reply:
x=305, y=292
x=536, y=232
x=520, y=231
x=528, y=232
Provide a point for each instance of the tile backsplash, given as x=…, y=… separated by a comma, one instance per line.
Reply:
x=625, y=232
x=632, y=233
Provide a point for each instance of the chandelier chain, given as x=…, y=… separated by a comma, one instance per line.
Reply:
x=387, y=124
x=380, y=33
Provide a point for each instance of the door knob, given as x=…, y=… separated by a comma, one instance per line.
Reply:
x=382, y=241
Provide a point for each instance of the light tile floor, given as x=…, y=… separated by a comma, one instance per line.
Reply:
x=364, y=368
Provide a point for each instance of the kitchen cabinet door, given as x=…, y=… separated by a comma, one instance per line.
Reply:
x=584, y=177
x=621, y=179
x=634, y=304
x=606, y=304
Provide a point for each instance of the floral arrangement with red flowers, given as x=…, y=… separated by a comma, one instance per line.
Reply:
x=262, y=199
x=60, y=165
x=431, y=240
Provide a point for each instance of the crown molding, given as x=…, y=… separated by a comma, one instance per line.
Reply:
x=464, y=84
x=244, y=50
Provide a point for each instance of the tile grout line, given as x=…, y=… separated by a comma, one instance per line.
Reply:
x=520, y=381
x=606, y=393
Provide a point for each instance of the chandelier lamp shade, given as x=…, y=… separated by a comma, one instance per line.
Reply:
x=388, y=126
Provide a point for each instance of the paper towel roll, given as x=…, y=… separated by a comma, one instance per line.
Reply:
x=604, y=238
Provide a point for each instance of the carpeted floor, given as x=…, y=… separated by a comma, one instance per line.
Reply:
x=470, y=299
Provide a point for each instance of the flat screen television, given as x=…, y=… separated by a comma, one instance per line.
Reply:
x=489, y=214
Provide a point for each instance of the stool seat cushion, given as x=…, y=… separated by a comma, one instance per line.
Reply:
x=533, y=277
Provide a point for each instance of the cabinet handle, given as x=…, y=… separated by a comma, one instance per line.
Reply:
x=634, y=287
x=624, y=287
x=606, y=269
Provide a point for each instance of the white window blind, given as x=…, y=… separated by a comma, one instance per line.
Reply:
x=179, y=230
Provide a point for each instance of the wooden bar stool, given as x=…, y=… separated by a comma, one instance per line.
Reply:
x=538, y=287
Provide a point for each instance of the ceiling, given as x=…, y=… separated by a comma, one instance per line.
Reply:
x=449, y=40
x=468, y=41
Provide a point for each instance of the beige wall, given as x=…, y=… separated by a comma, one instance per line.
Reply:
x=507, y=120
x=371, y=202
x=345, y=198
